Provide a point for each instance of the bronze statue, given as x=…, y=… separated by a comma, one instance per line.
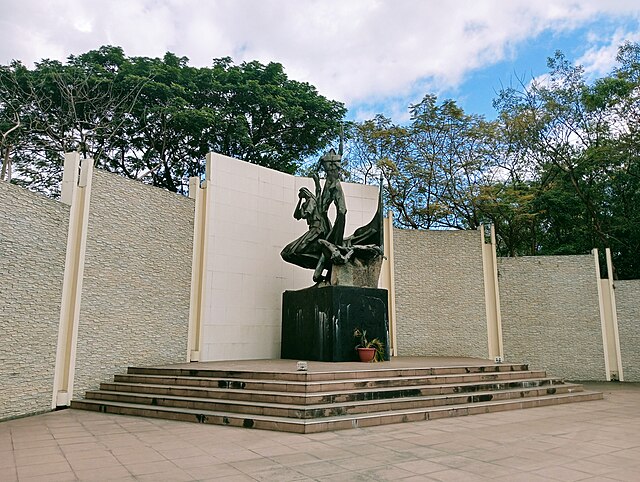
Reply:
x=324, y=246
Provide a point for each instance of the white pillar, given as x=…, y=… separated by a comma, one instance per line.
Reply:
x=387, y=281
x=492, y=294
x=77, y=192
x=197, y=301
x=615, y=346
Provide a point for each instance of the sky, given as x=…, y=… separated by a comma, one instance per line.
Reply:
x=376, y=56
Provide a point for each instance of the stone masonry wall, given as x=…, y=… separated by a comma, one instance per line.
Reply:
x=440, y=305
x=135, y=296
x=550, y=315
x=628, y=308
x=33, y=238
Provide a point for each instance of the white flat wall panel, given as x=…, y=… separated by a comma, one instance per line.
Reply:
x=250, y=221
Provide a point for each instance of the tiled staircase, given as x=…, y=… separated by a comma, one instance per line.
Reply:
x=317, y=401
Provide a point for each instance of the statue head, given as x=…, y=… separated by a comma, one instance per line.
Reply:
x=304, y=193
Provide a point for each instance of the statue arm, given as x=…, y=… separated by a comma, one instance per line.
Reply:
x=308, y=208
x=297, y=214
x=316, y=181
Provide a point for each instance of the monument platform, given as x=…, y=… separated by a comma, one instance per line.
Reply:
x=274, y=395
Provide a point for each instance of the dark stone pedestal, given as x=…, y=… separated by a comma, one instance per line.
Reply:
x=318, y=322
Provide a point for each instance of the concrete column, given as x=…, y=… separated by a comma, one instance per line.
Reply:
x=609, y=319
x=387, y=280
x=70, y=177
x=200, y=192
x=77, y=192
x=492, y=293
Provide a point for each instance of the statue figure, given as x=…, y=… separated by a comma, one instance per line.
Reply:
x=306, y=251
x=332, y=194
x=324, y=246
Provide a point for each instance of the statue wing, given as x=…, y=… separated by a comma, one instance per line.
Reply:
x=371, y=233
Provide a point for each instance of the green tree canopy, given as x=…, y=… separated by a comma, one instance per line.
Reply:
x=579, y=139
x=558, y=172
x=155, y=119
x=433, y=169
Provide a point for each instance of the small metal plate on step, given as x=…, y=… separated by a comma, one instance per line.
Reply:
x=248, y=423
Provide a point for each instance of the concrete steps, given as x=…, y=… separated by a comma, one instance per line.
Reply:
x=337, y=374
x=306, y=402
x=335, y=396
x=323, y=385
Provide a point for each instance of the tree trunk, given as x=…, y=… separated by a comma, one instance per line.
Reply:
x=6, y=165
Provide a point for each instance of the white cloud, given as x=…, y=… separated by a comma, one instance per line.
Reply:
x=356, y=51
x=601, y=58
x=542, y=81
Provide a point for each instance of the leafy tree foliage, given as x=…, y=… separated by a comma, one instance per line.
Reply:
x=155, y=119
x=557, y=173
x=78, y=106
x=580, y=140
x=433, y=169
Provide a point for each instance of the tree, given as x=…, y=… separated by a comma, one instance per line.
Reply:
x=434, y=168
x=6, y=129
x=556, y=173
x=510, y=207
x=155, y=119
x=78, y=106
x=251, y=111
x=580, y=141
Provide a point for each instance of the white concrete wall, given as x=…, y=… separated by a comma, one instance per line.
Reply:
x=250, y=216
x=628, y=306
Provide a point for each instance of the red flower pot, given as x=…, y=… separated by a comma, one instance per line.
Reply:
x=366, y=354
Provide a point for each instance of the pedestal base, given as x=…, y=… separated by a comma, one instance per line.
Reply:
x=318, y=322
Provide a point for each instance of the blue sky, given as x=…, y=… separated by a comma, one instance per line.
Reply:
x=376, y=56
x=526, y=60
x=479, y=89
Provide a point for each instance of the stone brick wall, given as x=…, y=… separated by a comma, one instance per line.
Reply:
x=628, y=308
x=33, y=238
x=550, y=315
x=440, y=305
x=135, y=296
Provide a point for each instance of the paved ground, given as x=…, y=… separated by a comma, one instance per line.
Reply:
x=584, y=441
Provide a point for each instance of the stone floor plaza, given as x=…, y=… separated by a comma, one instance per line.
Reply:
x=595, y=441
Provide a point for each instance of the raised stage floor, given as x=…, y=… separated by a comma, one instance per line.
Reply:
x=285, y=366
x=274, y=395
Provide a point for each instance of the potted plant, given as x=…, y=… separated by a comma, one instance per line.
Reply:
x=368, y=351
